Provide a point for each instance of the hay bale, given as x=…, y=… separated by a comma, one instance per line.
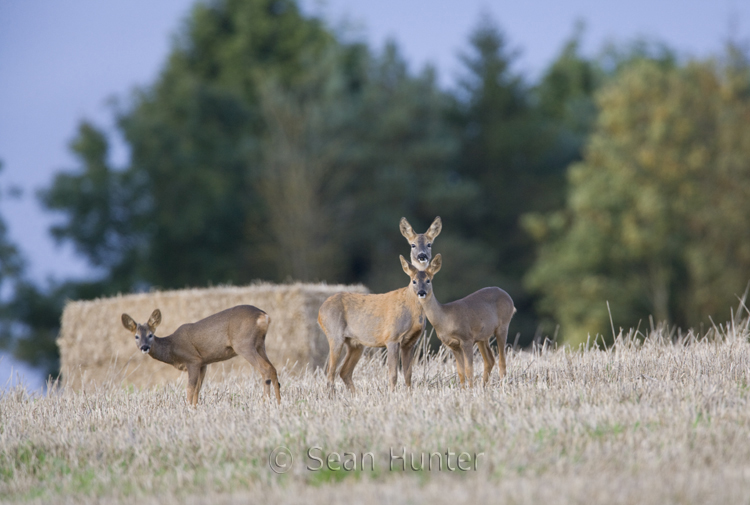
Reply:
x=95, y=348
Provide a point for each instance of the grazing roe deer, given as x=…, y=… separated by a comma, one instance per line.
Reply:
x=239, y=330
x=393, y=320
x=474, y=318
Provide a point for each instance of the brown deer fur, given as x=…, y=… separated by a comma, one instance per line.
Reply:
x=393, y=320
x=459, y=324
x=239, y=330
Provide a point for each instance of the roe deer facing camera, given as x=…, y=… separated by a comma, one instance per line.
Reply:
x=239, y=330
x=393, y=320
x=421, y=243
x=474, y=318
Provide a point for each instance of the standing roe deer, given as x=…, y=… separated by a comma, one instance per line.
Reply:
x=393, y=320
x=474, y=318
x=239, y=330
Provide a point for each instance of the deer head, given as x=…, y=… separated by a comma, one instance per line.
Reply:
x=421, y=243
x=421, y=280
x=144, y=333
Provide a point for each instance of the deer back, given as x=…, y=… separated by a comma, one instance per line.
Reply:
x=215, y=337
x=372, y=319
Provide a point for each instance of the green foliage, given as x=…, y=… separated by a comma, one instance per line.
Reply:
x=654, y=221
x=11, y=263
x=516, y=142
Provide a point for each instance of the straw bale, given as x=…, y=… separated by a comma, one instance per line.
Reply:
x=95, y=348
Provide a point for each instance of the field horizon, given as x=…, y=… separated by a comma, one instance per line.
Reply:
x=651, y=419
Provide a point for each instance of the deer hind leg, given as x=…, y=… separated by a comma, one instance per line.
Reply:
x=270, y=372
x=501, y=334
x=353, y=354
x=489, y=359
x=467, y=349
x=334, y=353
x=407, y=355
x=392, y=360
x=256, y=356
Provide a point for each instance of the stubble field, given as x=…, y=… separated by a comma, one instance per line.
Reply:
x=645, y=421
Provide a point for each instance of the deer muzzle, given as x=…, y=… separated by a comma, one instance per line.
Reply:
x=421, y=293
x=145, y=349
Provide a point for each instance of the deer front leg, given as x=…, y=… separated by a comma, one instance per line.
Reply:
x=200, y=383
x=194, y=375
x=392, y=361
x=459, y=355
x=467, y=348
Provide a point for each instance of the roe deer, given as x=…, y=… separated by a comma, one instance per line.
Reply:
x=239, y=330
x=421, y=244
x=393, y=320
x=474, y=318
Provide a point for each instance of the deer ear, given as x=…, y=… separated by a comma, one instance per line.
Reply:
x=435, y=265
x=154, y=320
x=406, y=230
x=435, y=228
x=128, y=323
x=408, y=267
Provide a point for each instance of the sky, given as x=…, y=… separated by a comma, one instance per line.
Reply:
x=61, y=62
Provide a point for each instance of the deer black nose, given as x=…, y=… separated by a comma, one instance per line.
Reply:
x=421, y=293
x=422, y=257
x=145, y=349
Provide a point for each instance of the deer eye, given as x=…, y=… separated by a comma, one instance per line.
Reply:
x=413, y=246
x=413, y=282
x=150, y=335
x=429, y=245
x=428, y=281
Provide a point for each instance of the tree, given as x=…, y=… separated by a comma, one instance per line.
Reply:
x=186, y=210
x=654, y=211
x=264, y=150
x=11, y=262
x=515, y=146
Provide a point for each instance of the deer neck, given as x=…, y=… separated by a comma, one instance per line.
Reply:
x=161, y=350
x=433, y=309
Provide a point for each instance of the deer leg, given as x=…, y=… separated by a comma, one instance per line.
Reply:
x=458, y=354
x=353, y=354
x=468, y=351
x=198, y=386
x=407, y=354
x=270, y=372
x=334, y=353
x=489, y=359
x=392, y=360
x=194, y=375
x=501, y=334
x=261, y=363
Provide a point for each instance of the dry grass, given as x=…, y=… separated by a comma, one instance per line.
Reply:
x=95, y=348
x=643, y=422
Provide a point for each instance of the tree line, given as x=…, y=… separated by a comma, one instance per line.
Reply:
x=271, y=147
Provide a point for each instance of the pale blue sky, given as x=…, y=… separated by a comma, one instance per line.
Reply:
x=61, y=61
